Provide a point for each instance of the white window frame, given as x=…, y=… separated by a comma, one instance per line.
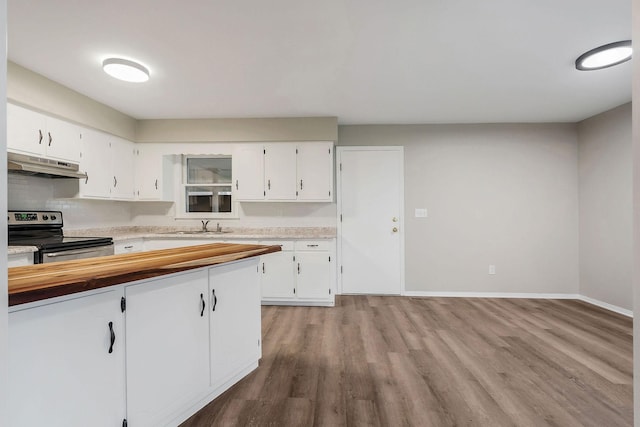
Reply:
x=181, y=209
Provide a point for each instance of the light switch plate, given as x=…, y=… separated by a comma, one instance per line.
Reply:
x=492, y=269
x=421, y=213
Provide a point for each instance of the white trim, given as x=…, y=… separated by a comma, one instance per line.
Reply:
x=606, y=306
x=579, y=297
x=339, y=150
x=490, y=295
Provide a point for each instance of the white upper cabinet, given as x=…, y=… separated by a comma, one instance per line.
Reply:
x=96, y=163
x=29, y=132
x=108, y=162
x=152, y=175
x=315, y=171
x=284, y=171
x=122, y=163
x=248, y=171
x=280, y=171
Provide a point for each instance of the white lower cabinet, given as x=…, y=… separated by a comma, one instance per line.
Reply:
x=235, y=320
x=303, y=273
x=66, y=363
x=151, y=352
x=167, y=346
x=277, y=268
x=18, y=260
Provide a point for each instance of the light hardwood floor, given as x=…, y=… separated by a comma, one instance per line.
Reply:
x=398, y=361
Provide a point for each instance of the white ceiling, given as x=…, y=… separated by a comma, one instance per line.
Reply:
x=364, y=61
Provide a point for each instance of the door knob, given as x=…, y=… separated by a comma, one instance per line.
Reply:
x=395, y=229
x=395, y=219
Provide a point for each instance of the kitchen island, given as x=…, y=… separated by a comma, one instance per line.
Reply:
x=142, y=339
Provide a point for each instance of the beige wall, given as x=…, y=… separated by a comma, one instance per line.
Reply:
x=238, y=130
x=496, y=194
x=35, y=91
x=605, y=177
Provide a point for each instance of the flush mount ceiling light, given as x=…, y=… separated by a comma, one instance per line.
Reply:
x=605, y=56
x=126, y=70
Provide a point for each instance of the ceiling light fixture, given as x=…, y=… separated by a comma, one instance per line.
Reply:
x=126, y=70
x=605, y=56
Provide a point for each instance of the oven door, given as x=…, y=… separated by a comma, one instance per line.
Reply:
x=47, y=256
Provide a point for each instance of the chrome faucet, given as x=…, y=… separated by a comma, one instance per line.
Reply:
x=204, y=225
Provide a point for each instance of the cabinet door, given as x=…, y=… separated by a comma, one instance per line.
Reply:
x=26, y=130
x=95, y=161
x=62, y=140
x=313, y=275
x=278, y=280
x=61, y=372
x=167, y=336
x=122, y=181
x=235, y=319
x=280, y=171
x=315, y=171
x=248, y=172
x=152, y=175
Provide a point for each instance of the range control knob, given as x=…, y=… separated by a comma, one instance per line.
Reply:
x=44, y=217
x=53, y=217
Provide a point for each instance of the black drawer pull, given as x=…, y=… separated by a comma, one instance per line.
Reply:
x=215, y=300
x=113, y=337
x=203, y=305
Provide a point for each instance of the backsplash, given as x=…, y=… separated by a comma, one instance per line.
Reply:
x=34, y=193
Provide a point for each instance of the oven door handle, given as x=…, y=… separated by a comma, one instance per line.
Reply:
x=74, y=252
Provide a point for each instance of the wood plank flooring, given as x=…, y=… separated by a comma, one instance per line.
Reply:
x=398, y=361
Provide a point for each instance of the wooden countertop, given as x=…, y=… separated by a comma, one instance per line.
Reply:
x=36, y=282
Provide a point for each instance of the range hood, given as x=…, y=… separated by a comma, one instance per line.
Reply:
x=39, y=166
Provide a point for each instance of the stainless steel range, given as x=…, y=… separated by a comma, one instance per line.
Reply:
x=43, y=229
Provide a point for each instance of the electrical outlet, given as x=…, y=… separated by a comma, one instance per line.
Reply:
x=421, y=213
x=492, y=269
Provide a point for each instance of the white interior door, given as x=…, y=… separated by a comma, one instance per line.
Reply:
x=370, y=223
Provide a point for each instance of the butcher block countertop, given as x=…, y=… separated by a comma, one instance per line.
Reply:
x=41, y=281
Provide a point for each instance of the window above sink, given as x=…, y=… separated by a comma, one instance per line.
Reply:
x=206, y=190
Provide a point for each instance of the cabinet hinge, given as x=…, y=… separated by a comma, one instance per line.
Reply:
x=123, y=304
x=124, y=423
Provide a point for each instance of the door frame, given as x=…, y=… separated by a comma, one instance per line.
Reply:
x=339, y=151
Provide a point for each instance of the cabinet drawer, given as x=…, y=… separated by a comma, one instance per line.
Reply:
x=287, y=245
x=313, y=245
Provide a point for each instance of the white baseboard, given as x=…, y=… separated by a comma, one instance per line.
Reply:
x=607, y=306
x=595, y=302
x=490, y=295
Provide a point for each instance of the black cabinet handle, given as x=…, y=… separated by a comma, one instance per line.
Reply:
x=40, y=136
x=215, y=300
x=86, y=177
x=203, y=305
x=156, y=184
x=301, y=184
x=298, y=268
x=50, y=138
x=113, y=337
x=236, y=184
x=115, y=182
x=263, y=268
